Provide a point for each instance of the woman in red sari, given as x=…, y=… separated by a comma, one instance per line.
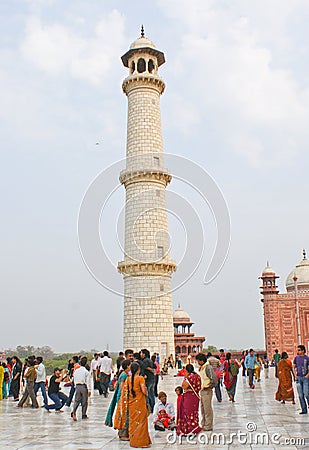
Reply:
x=285, y=375
x=230, y=379
x=188, y=419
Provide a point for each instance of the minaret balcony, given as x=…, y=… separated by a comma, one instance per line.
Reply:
x=152, y=174
x=143, y=80
x=148, y=268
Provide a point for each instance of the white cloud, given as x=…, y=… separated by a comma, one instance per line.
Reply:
x=56, y=49
x=233, y=76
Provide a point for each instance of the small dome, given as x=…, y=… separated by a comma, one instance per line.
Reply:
x=268, y=270
x=142, y=42
x=149, y=47
x=301, y=272
x=179, y=313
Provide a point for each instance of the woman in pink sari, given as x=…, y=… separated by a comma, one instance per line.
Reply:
x=231, y=368
x=188, y=420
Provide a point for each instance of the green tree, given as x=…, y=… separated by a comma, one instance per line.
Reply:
x=210, y=349
x=24, y=351
x=46, y=352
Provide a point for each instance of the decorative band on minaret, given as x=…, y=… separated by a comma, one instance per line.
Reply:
x=147, y=267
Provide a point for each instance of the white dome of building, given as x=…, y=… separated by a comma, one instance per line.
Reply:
x=179, y=313
x=142, y=42
x=301, y=272
x=268, y=270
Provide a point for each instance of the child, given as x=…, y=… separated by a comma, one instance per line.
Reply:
x=266, y=366
x=112, y=383
x=179, y=392
x=163, y=420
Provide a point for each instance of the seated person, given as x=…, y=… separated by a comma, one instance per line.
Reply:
x=181, y=373
x=112, y=383
x=158, y=413
x=163, y=421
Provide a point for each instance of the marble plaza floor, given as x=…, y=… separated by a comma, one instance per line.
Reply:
x=256, y=420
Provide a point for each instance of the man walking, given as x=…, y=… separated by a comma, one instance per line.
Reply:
x=82, y=391
x=94, y=373
x=300, y=368
x=30, y=376
x=276, y=359
x=106, y=365
x=72, y=390
x=250, y=362
x=206, y=392
x=216, y=365
x=41, y=379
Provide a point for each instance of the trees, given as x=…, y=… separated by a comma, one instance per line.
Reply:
x=210, y=349
x=46, y=352
x=22, y=351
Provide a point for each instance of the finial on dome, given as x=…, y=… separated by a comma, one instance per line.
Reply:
x=304, y=254
x=267, y=264
x=295, y=277
x=178, y=305
x=142, y=31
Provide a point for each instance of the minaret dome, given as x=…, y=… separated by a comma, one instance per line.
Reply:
x=143, y=57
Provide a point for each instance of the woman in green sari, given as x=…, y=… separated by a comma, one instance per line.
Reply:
x=117, y=394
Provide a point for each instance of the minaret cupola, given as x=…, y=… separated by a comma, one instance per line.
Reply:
x=143, y=57
x=268, y=278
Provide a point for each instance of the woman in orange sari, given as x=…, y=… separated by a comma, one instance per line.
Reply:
x=134, y=398
x=285, y=375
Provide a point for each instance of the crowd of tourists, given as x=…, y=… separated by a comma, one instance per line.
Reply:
x=135, y=387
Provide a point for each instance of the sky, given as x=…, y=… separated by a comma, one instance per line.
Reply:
x=236, y=104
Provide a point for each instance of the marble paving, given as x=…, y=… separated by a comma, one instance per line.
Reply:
x=255, y=420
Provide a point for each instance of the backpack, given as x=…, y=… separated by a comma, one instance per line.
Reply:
x=211, y=375
x=234, y=369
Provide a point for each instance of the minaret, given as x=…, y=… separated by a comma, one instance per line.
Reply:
x=146, y=268
x=269, y=291
x=268, y=278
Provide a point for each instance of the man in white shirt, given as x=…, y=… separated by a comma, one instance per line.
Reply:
x=168, y=407
x=106, y=365
x=93, y=373
x=82, y=392
x=41, y=379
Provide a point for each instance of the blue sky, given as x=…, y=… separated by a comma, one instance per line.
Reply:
x=236, y=103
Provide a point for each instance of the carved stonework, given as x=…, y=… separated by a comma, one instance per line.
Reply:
x=151, y=268
x=139, y=81
x=131, y=176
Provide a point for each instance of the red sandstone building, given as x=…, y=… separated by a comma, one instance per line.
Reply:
x=286, y=316
x=186, y=343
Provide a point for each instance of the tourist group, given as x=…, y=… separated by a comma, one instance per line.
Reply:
x=135, y=387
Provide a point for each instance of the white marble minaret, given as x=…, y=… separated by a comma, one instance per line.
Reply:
x=146, y=268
